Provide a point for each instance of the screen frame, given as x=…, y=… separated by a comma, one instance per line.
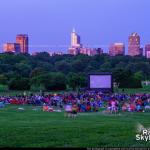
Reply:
x=100, y=74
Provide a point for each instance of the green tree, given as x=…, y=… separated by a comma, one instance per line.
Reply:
x=76, y=81
x=51, y=81
x=127, y=79
x=19, y=83
x=37, y=71
x=62, y=66
x=3, y=79
x=56, y=81
x=138, y=75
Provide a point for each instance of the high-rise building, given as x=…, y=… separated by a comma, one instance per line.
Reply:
x=75, y=43
x=75, y=39
x=11, y=47
x=147, y=51
x=134, y=45
x=117, y=49
x=22, y=39
x=77, y=48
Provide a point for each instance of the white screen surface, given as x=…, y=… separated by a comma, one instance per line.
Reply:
x=100, y=81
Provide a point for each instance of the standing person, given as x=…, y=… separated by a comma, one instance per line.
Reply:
x=68, y=110
x=113, y=107
x=74, y=111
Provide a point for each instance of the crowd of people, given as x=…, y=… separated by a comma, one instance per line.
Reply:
x=87, y=101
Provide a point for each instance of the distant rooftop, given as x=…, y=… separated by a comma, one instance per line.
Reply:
x=119, y=44
x=22, y=35
x=134, y=34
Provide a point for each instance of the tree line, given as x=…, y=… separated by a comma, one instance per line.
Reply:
x=61, y=72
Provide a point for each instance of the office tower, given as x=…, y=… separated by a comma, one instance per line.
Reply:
x=75, y=44
x=75, y=39
x=77, y=48
x=147, y=51
x=117, y=49
x=22, y=39
x=134, y=45
x=11, y=47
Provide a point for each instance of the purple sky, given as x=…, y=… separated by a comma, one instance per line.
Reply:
x=49, y=22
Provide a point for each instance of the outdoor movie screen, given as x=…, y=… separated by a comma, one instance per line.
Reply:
x=100, y=81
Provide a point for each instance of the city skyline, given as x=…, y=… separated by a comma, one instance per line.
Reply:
x=48, y=29
x=133, y=48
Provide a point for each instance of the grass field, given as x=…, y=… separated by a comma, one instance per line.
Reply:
x=145, y=89
x=30, y=128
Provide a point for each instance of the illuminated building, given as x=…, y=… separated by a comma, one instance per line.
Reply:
x=147, y=51
x=75, y=44
x=91, y=51
x=22, y=39
x=117, y=49
x=75, y=39
x=11, y=47
x=134, y=45
x=74, y=51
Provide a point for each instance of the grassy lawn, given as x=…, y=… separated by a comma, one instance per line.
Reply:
x=145, y=89
x=14, y=93
x=30, y=128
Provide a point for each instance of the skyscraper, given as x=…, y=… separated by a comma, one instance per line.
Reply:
x=11, y=47
x=117, y=49
x=134, y=45
x=147, y=51
x=75, y=43
x=75, y=39
x=22, y=39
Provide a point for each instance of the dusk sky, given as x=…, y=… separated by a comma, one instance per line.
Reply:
x=49, y=22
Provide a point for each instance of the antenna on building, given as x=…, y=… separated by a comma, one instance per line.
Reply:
x=73, y=30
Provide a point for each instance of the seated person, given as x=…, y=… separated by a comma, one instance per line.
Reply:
x=124, y=107
x=50, y=109
x=132, y=107
x=108, y=108
x=138, y=108
x=45, y=108
x=2, y=105
x=82, y=108
x=88, y=108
